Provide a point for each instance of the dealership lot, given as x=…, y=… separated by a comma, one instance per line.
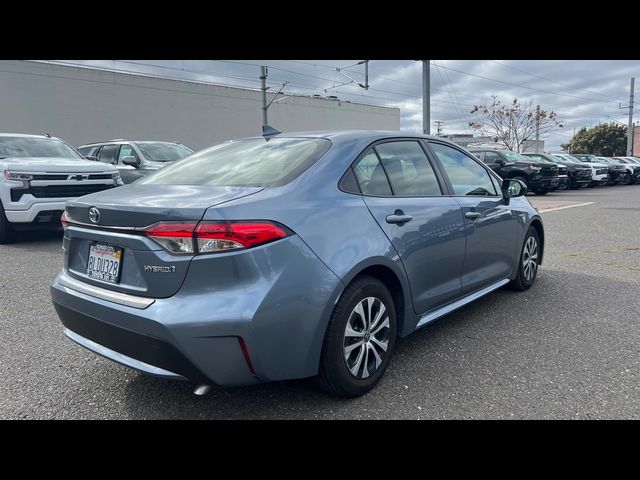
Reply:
x=567, y=348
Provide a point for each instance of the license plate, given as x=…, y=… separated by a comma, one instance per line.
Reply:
x=104, y=262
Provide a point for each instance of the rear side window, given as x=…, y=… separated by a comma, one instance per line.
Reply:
x=408, y=169
x=84, y=151
x=253, y=162
x=371, y=175
x=466, y=175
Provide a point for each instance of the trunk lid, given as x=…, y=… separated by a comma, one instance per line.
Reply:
x=145, y=268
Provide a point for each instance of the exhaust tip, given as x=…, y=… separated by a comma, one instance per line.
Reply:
x=202, y=390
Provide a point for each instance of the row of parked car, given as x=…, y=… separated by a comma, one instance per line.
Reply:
x=39, y=173
x=546, y=172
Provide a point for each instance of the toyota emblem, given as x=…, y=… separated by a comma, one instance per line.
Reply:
x=94, y=214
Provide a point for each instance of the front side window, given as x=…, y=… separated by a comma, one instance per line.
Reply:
x=254, y=162
x=108, y=154
x=408, y=169
x=491, y=157
x=466, y=175
x=126, y=150
x=18, y=147
x=371, y=175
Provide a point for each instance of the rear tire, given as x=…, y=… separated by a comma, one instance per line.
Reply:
x=528, y=262
x=6, y=232
x=359, y=340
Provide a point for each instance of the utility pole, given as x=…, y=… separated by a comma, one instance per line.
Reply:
x=537, y=128
x=263, y=82
x=426, y=98
x=630, y=127
x=438, y=123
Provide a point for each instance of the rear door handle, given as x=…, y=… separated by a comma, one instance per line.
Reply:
x=399, y=217
x=472, y=215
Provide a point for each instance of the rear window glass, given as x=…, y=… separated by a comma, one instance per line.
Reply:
x=244, y=163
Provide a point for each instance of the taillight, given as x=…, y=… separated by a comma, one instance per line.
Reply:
x=65, y=219
x=213, y=237
x=218, y=237
x=173, y=237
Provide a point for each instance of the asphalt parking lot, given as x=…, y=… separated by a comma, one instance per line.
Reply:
x=567, y=348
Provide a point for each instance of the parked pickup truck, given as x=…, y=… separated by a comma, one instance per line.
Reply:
x=38, y=174
x=539, y=178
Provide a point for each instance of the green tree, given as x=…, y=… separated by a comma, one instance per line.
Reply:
x=512, y=124
x=605, y=140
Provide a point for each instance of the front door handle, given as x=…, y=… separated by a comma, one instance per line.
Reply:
x=399, y=217
x=472, y=215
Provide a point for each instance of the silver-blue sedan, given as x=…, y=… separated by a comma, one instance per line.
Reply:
x=291, y=256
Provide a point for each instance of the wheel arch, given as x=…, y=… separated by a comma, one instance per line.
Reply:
x=537, y=224
x=392, y=276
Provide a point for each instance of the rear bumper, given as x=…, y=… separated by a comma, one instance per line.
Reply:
x=280, y=311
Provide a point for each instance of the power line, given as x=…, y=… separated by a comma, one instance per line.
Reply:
x=551, y=80
x=524, y=86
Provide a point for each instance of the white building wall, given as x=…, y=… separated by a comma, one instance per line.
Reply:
x=82, y=105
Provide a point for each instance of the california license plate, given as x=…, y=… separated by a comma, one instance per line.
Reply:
x=104, y=262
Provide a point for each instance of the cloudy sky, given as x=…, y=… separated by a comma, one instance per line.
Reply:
x=582, y=92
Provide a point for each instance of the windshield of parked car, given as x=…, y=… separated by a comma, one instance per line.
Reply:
x=588, y=158
x=163, y=152
x=247, y=163
x=567, y=158
x=35, y=147
x=515, y=157
x=536, y=158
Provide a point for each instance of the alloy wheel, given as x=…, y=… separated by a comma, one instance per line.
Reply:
x=530, y=259
x=366, y=337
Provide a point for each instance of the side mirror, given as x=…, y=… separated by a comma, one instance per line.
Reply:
x=513, y=188
x=132, y=161
x=502, y=162
x=92, y=158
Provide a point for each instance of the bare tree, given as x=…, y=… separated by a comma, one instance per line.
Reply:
x=512, y=125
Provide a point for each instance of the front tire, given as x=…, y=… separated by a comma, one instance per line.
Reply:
x=528, y=261
x=359, y=339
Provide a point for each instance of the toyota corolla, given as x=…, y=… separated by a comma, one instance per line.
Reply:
x=290, y=256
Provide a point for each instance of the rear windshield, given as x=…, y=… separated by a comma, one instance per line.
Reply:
x=163, y=152
x=35, y=147
x=244, y=163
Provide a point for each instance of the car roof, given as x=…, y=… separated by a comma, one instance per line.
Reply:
x=335, y=136
x=26, y=135
x=122, y=140
x=347, y=135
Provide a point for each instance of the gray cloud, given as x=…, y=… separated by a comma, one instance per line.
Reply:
x=583, y=93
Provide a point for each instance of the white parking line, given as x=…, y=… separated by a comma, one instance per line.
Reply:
x=545, y=210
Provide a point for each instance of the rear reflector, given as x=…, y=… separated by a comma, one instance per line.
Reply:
x=212, y=237
x=245, y=354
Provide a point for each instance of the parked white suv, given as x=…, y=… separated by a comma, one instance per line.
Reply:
x=599, y=171
x=38, y=174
